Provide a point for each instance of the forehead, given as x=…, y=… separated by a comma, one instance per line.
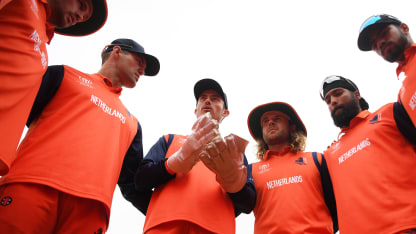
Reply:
x=210, y=92
x=332, y=91
x=273, y=113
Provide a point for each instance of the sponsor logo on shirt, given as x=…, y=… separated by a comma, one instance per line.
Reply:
x=284, y=181
x=301, y=161
x=376, y=119
x=84, y=81
x=360, y=146
x=264, y=168
x=412, y=102
x=110, y=111
x=37, y=42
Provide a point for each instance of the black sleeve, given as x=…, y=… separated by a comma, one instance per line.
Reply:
x=132, y=160
x=404, y=123
x=245, y=199
x=51, y=81
x=152, y=171
x=329, y=193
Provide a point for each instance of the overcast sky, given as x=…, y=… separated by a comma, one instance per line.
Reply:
x=259, y=51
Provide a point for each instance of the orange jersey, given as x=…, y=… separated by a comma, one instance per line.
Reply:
x=24, y=33
x=372, y=167
x=407, y=94
x=78, y=143
x=289, y=195
x=194, y=197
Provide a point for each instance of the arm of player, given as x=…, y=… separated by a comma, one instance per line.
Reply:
x=133, y=158
x=404, y=123
x=51, y=81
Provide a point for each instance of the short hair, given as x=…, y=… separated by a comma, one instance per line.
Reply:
x=105, y=55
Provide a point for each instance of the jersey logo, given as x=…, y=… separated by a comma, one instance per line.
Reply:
x=376, y=119
x=36, y=47
x=264, y=168
x=301, y=161
x=5, y=201
x=84, y=81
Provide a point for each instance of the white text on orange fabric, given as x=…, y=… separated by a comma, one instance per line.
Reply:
x=363, y=144
x=97, y=101
x=284, y=181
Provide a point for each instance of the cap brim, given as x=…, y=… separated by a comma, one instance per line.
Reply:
x=152, y=65
x=364, y=38
x=93, y=24
x=255, y=115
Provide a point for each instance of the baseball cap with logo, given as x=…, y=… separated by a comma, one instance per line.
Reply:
x=93, y=24
x=152, y=63
x=206, y=84
x=254, y=118
x=367, y=28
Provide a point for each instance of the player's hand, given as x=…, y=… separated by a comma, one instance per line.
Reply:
x=203, y=131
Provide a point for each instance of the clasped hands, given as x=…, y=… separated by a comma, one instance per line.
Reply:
x=224, y=158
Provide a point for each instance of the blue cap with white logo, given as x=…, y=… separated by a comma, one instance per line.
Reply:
x=368, y=27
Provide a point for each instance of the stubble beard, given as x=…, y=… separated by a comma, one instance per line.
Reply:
x=398, y=50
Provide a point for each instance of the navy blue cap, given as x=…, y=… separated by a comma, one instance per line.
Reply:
x=368, y=27
x=152, y=63
x=206, y=84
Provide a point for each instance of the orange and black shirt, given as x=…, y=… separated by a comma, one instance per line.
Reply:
x=372, y=167
x=81, y=139
x=193, y=197
x=291, y=195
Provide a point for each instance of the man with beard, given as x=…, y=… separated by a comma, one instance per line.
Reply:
x=371, y=163
x=390, y=38
x=294, y=191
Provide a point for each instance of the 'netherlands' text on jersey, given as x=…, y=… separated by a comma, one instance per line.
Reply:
x=289, y=195
x=24, y=33
x=78, y=143
x=407, y=94
x=372, y=167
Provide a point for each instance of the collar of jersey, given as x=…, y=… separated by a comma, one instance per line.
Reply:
x=357, y=119
x=284, y=151
x=107, y=82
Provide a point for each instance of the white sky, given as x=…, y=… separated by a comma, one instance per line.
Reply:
x=259, y=51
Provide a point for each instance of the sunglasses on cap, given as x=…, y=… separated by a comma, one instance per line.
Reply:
x=110, y=47
x=370, y=21
x=384, y=18
x=330, y=80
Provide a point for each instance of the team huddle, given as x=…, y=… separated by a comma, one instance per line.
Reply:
x=49, y=181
